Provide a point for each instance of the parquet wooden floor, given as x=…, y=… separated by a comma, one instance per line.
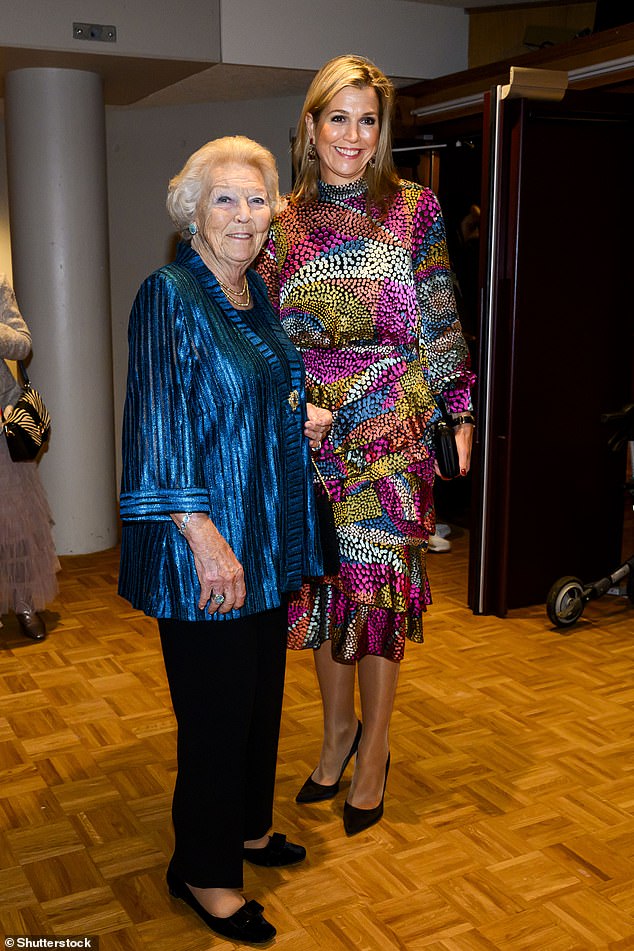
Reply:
x=509, y=817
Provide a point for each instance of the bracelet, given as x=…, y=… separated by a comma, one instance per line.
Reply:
x=460, y=420
x=182, y=528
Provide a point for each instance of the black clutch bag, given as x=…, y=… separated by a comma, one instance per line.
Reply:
x=327, y=526
x=445, y=447
x=446, y=450
x=28, y=427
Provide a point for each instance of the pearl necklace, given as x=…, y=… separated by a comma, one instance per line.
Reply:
x=240, y=298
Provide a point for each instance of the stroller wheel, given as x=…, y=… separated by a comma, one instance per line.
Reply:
x=565, y=603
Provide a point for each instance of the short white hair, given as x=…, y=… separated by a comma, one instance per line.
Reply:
x=191, y=187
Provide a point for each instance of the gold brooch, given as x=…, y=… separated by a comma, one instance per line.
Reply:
x=293, y=399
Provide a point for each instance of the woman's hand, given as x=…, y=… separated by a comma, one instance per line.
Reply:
x=317, y=426
x=464, y=439
x=219, y=572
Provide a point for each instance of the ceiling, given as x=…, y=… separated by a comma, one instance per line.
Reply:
x=226, y=83
x=135, y=83
x=472, y=4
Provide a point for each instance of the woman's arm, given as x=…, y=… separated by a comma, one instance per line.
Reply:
x=319, y=421
x=219, y=571
x=15, y=339
x=162, y=471
x=266, y=266
x=162, y=475
x=440, y=335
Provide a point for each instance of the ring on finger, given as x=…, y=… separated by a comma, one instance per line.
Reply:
x=317, y=447
x=219, y=599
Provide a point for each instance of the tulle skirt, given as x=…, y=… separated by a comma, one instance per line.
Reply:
x=28, y=563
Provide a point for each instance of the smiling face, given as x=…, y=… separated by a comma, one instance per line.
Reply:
x=346, y=135
x=237, y=220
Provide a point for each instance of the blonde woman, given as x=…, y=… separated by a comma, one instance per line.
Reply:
x=357, y=266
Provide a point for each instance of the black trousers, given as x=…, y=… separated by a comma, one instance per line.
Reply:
x=226, y=681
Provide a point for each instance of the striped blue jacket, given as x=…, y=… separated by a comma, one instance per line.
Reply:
x=213, y=422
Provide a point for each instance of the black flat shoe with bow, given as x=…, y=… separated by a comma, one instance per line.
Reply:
x=358, y=820
x=245, y=926
x=277, y=853
x=316, y=792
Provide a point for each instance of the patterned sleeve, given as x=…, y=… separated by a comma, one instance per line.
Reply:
x=15, y=339
x=267, y=267
x=162, y=470
x=440, y=331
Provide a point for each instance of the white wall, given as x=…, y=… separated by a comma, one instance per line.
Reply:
x=398, y=34
x=186, y=30
x=403, y=38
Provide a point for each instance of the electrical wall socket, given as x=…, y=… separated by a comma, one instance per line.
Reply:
x=95, y=31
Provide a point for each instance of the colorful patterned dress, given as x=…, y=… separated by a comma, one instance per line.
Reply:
x=370, y=306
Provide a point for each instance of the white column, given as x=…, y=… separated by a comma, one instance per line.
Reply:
x=56, y=166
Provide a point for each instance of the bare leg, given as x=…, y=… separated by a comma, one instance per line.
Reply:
x=378, y=679
x=336, y=683
x=221, y=902
x=260, y=843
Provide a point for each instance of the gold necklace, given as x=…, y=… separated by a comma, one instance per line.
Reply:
x=235, y=296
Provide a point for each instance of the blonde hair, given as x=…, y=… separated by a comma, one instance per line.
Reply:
x=348, y=70
x=190, y=189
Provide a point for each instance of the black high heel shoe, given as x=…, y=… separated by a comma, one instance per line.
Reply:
x=246, y=925
x=315, y=792
x=358, y=820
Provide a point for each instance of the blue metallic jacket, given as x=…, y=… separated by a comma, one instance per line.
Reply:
x=213, y=423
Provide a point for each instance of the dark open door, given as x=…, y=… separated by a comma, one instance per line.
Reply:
x=555, y=345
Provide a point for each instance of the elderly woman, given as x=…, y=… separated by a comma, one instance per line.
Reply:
x=357, y=265
x=216, y=505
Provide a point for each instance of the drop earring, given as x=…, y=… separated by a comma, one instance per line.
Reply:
x=192, y=228
x=372, y=162
x=311, y=154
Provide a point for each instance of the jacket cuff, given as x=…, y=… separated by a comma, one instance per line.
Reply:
x=156, y=506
